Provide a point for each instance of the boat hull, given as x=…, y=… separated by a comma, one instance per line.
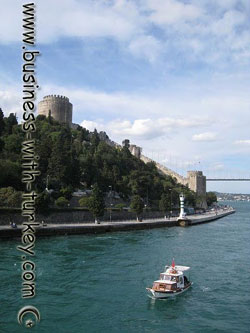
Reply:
x=167, y=294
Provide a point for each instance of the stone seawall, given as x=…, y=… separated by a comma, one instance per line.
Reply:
x=75, y=216
x=87, y=228
x=103, y=227
x=208, y=217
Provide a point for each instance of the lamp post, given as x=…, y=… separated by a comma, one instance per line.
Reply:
x=110, y=212
x=170, y=190
x=147, y=196
x=47, y=184
x=110, y=203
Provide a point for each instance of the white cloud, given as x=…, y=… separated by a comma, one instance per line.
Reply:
x=204, y=137
x=228, y=23
x=145, y=47
x=146, y=129
x=92, y=125
x=242, y=142
x=171, y=11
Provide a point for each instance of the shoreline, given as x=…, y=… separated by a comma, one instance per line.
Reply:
x=103, y=227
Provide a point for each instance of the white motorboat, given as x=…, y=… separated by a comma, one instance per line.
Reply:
x=173, y=281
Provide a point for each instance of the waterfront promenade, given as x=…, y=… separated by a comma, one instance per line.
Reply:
x=92, y=228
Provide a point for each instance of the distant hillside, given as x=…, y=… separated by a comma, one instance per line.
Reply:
x=233, y=196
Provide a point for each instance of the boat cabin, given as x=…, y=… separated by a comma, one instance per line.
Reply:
x=172, y=279
x=159, y=285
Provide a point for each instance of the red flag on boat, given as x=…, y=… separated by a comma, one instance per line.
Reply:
x=173, y=263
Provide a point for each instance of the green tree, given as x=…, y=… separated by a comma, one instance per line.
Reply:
x=137, y=205
x=2, y=123
x=66, y=192
x=10, y=121
x=140, y=182
x=120, y=206
x=10, y=174
x=1, y=145
x=199, y=201
x=164, y=203
x=211, y=198
x=96, y=203
x=95, y=140
x=62, y=202
x=83, y=202
x=13, y=143
x=59, y=162
x=43, y=148
x=9, y=197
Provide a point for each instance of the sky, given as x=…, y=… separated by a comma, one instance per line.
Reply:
x=172, y=76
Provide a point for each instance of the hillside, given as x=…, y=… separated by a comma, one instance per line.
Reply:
x=77, y=159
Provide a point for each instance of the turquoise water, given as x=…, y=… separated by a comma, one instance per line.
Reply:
x=97, y=283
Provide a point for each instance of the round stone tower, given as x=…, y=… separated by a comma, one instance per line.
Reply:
x=59, y=107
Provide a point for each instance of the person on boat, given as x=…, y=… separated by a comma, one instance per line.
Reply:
x=185, y=280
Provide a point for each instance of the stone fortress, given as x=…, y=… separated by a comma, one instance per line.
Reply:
x=61, y=110
x=59, y=107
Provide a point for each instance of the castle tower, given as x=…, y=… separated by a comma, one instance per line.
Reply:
x=135, y=150
x=197, y=183
x=59, y=107
x=126, y=143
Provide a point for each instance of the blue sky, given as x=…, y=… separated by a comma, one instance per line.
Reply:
x=170, y=75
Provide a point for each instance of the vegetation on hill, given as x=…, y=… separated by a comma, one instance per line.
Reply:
x=77, y=158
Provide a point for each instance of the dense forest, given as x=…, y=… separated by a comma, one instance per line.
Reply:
x=73, y=159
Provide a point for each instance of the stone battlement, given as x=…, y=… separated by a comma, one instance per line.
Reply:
x=56, y=97
x=194, y=173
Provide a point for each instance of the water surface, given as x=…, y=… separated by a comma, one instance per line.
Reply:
x=96, y=283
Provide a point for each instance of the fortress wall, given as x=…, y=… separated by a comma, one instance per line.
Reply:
x=166, y=171
x=195, y=180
